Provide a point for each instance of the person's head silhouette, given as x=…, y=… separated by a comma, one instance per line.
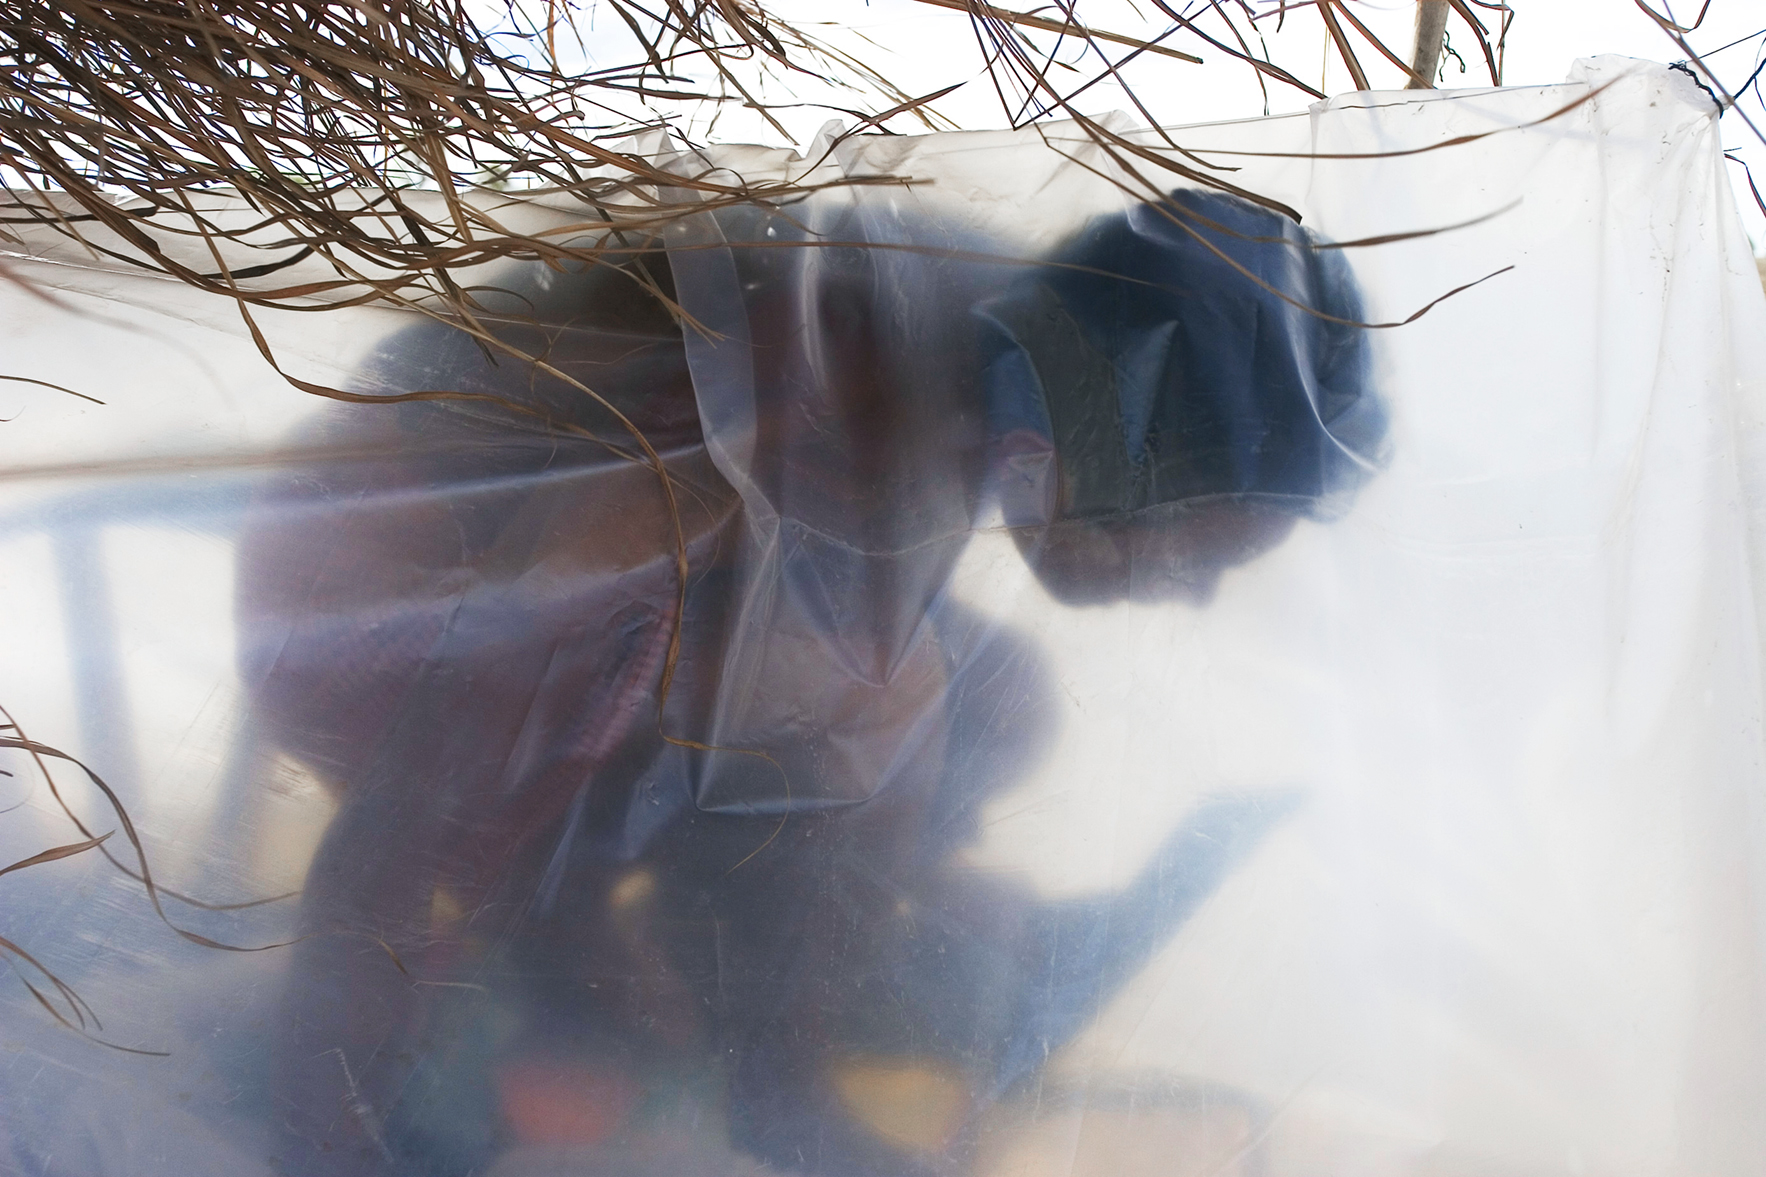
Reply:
x=1179, y=385
x=462, y=616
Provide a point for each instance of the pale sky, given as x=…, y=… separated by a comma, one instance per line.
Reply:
x=925, y=48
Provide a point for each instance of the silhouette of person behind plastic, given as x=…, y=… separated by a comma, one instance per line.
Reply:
x=539, y=925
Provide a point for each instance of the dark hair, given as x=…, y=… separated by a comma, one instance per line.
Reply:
x=1149, y=369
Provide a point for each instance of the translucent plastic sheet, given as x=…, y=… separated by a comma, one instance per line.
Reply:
x=1117, y=721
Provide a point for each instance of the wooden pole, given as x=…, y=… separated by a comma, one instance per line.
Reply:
x=1431, y=28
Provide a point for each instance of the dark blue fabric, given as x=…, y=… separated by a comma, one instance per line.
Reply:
x=1172, y=352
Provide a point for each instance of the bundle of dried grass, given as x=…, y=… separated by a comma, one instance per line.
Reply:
x=322, y=114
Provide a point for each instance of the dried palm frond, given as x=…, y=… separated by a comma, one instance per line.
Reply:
x=322, y=115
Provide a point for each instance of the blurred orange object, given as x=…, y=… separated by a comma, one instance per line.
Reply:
x=550, y=1102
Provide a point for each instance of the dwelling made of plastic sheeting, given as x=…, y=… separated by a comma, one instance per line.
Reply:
x=1083, y=701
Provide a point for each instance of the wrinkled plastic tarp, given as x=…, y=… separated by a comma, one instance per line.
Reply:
x=1121, y=717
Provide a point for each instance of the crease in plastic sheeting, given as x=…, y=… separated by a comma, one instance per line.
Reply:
x=723, y=379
